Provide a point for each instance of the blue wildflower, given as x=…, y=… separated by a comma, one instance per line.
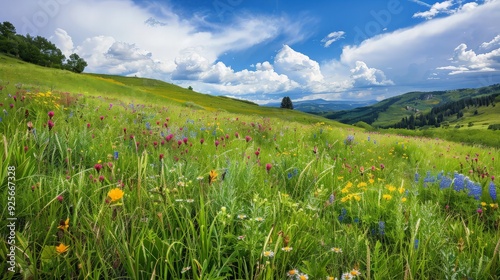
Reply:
x=445, y=182
x=349, y=140
x=429, y=178
x=148, y=126
x=332, y=198
x=343, y=214
x=417, y=177
x=381, y=227
x=493, y=191
x=290, y=175
x=415, y=244
x=475, y=190
x=115, y=155
x=459, y=182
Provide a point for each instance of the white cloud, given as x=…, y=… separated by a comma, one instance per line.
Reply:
x=491, y=44
x=364, y=76
x=437, y=8
x=299, y=67
x=408, y=56
x=63, y=41
x=469, y=61
x=332, y=37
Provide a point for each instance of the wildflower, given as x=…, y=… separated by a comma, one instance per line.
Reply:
x=387, y=196
x=287, y=249
x=493, y=191
x=331, y=278
x=259, y=219
x=115, y=155
x=390, y=188
x=50, y=124
x=202, y=141
x=60, y=198
x=381, y=227
x=212, y=176
x=303, y=276
x=268, y=254
x=336, y=250
x=242, y=216
x=101, y=117
x=64, y=225
x=354, y=272
x=403, y=199
x=115, y=194
x=268, y=167
x=216, y=143
x=161, y=157
x=50, y=114
x=292, y=273
x=98, y=167
x=185, y=269
x=62, y=248
x=346, y=276
x=189, y=200
x=248, y=138
x=415, y=244
x=241, y=237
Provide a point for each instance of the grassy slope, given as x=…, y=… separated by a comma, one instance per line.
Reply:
x=137, y=90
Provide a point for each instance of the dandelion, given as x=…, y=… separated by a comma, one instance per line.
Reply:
x=336, y=250
x=62, y=248
x=292, y=273
x=286, y=249
x=212, y=176
x=64, y=225
x=268, y=254
x=115, y=194
x=387, y=197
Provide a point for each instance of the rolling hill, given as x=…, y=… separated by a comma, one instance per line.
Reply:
x=392, y=110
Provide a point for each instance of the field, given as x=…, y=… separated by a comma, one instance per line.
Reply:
x=122, y=178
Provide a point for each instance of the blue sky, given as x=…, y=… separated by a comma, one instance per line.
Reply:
x=264, y=50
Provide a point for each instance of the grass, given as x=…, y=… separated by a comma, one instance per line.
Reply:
x=214, y=194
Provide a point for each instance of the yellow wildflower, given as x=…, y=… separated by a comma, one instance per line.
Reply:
x=387, y=196
x=212, y=176
x=62, y=248
x=64, y=225
x=115, y=194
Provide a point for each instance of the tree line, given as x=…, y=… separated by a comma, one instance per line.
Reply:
x=439, y=113
x=37, y=50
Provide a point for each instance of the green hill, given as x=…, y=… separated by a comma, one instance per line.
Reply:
x=133, y=89
x=392, y=110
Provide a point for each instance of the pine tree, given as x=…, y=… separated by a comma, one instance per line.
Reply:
x=286, y=103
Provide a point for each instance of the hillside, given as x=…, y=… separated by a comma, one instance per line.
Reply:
x=392, y=110
x=133, y=89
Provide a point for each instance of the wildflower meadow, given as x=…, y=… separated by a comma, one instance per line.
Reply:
x=110, y=188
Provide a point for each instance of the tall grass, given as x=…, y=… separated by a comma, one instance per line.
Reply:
x=217, y=195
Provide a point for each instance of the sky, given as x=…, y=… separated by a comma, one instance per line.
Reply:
x=264, y=50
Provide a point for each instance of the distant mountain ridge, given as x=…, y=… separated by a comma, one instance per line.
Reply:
x=321, y=106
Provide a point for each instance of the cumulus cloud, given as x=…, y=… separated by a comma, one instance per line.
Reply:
x=332, y=37
x=491, y=44
x=299, y=67
x=62, y=39
x=365, y=76
x=437, y=8
x=466, y=60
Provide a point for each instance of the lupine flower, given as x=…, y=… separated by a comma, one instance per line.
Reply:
x=445, y=182
x=493, y=191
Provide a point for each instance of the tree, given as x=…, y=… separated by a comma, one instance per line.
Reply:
x=286, y=103
x=190, y=87
x=75, y=63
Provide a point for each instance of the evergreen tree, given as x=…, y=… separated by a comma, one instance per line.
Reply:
x=286, y=103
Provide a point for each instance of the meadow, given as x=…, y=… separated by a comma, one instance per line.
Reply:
x=110, y=187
